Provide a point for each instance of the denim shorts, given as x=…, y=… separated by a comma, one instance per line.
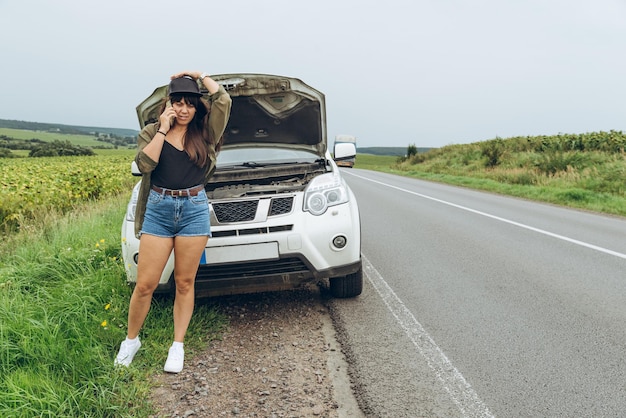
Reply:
x=169, y=216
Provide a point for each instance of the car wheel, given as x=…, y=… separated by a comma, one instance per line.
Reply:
x=348, y=286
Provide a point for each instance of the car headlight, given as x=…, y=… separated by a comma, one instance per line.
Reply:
x=130, y=211
x=324, y=191
x=132, y=204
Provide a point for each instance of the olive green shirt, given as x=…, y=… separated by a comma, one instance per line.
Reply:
x=217, y=119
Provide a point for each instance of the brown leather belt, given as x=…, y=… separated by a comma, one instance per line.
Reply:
x=192, y=191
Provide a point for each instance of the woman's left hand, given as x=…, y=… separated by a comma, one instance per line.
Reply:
x=193, y=74
x=207, y=81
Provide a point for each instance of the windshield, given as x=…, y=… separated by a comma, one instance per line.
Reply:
x=263, y=156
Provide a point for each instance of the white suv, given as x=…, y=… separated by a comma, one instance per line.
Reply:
x=282, y=215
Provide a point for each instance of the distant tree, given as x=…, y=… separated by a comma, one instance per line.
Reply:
x=6, y=153
x=58, y=149
x=411, y=151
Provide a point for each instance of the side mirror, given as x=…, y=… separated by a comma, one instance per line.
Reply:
x=134, y=169
x=344, y=154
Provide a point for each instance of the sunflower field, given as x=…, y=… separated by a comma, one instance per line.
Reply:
x=32, y=187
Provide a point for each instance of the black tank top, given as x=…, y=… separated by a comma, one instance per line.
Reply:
x=176, y=170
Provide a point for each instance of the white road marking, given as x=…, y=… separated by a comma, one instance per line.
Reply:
x=488, y=215
x=453, y=381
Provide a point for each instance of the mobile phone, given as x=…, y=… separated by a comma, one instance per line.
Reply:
x=172, y=118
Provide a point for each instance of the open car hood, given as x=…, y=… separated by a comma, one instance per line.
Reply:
x=267, y=111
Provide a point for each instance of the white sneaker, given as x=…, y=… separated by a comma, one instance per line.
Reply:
x=175, y=359
x=127, y=352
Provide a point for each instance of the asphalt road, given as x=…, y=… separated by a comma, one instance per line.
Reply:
x=476, y=304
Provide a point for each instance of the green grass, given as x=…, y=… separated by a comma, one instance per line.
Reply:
x=63, y=308
x=374, y=162
x=82, y=140
x=22, y=153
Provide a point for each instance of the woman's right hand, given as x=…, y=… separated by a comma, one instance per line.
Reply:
x=167, y=118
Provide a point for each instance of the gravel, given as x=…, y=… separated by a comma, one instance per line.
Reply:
x=279, y=358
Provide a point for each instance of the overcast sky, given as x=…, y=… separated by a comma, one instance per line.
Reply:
x=394, y=72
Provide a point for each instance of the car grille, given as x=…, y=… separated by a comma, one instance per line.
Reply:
x=281, y=205
x=251, y=270
x=251, y=231
x=245, y=210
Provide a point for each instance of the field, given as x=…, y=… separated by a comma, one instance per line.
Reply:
x=31, y=188
x=375, y=162
x=82, y=140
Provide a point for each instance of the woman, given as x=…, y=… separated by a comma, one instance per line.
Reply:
x=176, y=157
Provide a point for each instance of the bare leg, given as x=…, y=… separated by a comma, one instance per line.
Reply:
x=187, y=251
x=153, y=255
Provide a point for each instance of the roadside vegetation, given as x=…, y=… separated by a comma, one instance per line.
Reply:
x=63, y=309
x=584, y=171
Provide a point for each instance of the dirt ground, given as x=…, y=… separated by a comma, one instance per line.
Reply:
x=279, y=358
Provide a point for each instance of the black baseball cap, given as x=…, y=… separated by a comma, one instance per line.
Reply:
x=185, y=86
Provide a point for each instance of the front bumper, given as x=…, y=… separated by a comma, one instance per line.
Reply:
x=283, y=253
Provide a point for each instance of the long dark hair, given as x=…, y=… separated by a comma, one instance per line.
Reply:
x=196, y=139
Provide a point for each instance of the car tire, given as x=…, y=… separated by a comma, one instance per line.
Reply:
x=348, y=286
